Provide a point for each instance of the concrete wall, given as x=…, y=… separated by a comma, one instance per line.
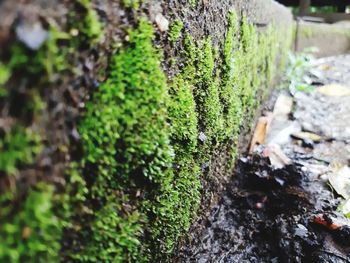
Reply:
x=329, y=39
x=120, y=120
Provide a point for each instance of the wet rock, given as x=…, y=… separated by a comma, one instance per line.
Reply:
x=342, y=235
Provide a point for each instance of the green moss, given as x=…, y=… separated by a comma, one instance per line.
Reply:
x=18, y=147
x=180, y=197
x=183, y=118
x=50, y=58
x=131, y=102
x=138, y=185
x=209, y=87
x=139, y=182
x=31, y=220
x=175, y=30
x=31, y=232
x=249, y=58
x=199, y=72
x=193, y=3
x=128, y=106
x=231, y=73
x=5, y=74
x=113, y=235
x=133, y=4
x=91, y=26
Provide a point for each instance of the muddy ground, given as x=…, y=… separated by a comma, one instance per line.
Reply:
x=287, y=212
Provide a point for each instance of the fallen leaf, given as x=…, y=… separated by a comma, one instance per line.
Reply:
x=340, y=181
x=334, y=90
x=260, y=131
x=276, y=156
x=307, y=136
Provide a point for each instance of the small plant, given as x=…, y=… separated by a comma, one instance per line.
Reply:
x=298, y=65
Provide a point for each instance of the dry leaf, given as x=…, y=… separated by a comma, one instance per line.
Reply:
x=340, y=181
x=260, y=131
x=307, y=136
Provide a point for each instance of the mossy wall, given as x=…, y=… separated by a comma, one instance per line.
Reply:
x=117, y=135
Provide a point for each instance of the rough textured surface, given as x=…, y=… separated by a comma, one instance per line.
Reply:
x=119, y=129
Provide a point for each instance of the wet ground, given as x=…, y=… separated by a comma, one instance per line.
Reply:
x=283, y=205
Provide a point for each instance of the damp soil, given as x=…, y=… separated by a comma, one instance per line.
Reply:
x=268, y=215
x=288, y=214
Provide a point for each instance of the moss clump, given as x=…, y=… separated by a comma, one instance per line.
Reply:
x=208, y=97
x=248, y=56
x=129, y=149
x=199, y=71
x=183, y=118
x=133, y=4
x=113, y=235
x=179, y=199
x=193, y=3
x=50, y=58
x=175, y=30
x=32, y=217
x=31, y=232
x=90, y=26
x=18, y=147
x=231, y=73
x=131, y=101
x=126, y=143
x=4, y=74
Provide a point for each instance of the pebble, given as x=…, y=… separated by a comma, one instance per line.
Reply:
x=32, y=35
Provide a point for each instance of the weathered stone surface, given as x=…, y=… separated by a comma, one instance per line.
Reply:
x=123, y=130
x=329, y=39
